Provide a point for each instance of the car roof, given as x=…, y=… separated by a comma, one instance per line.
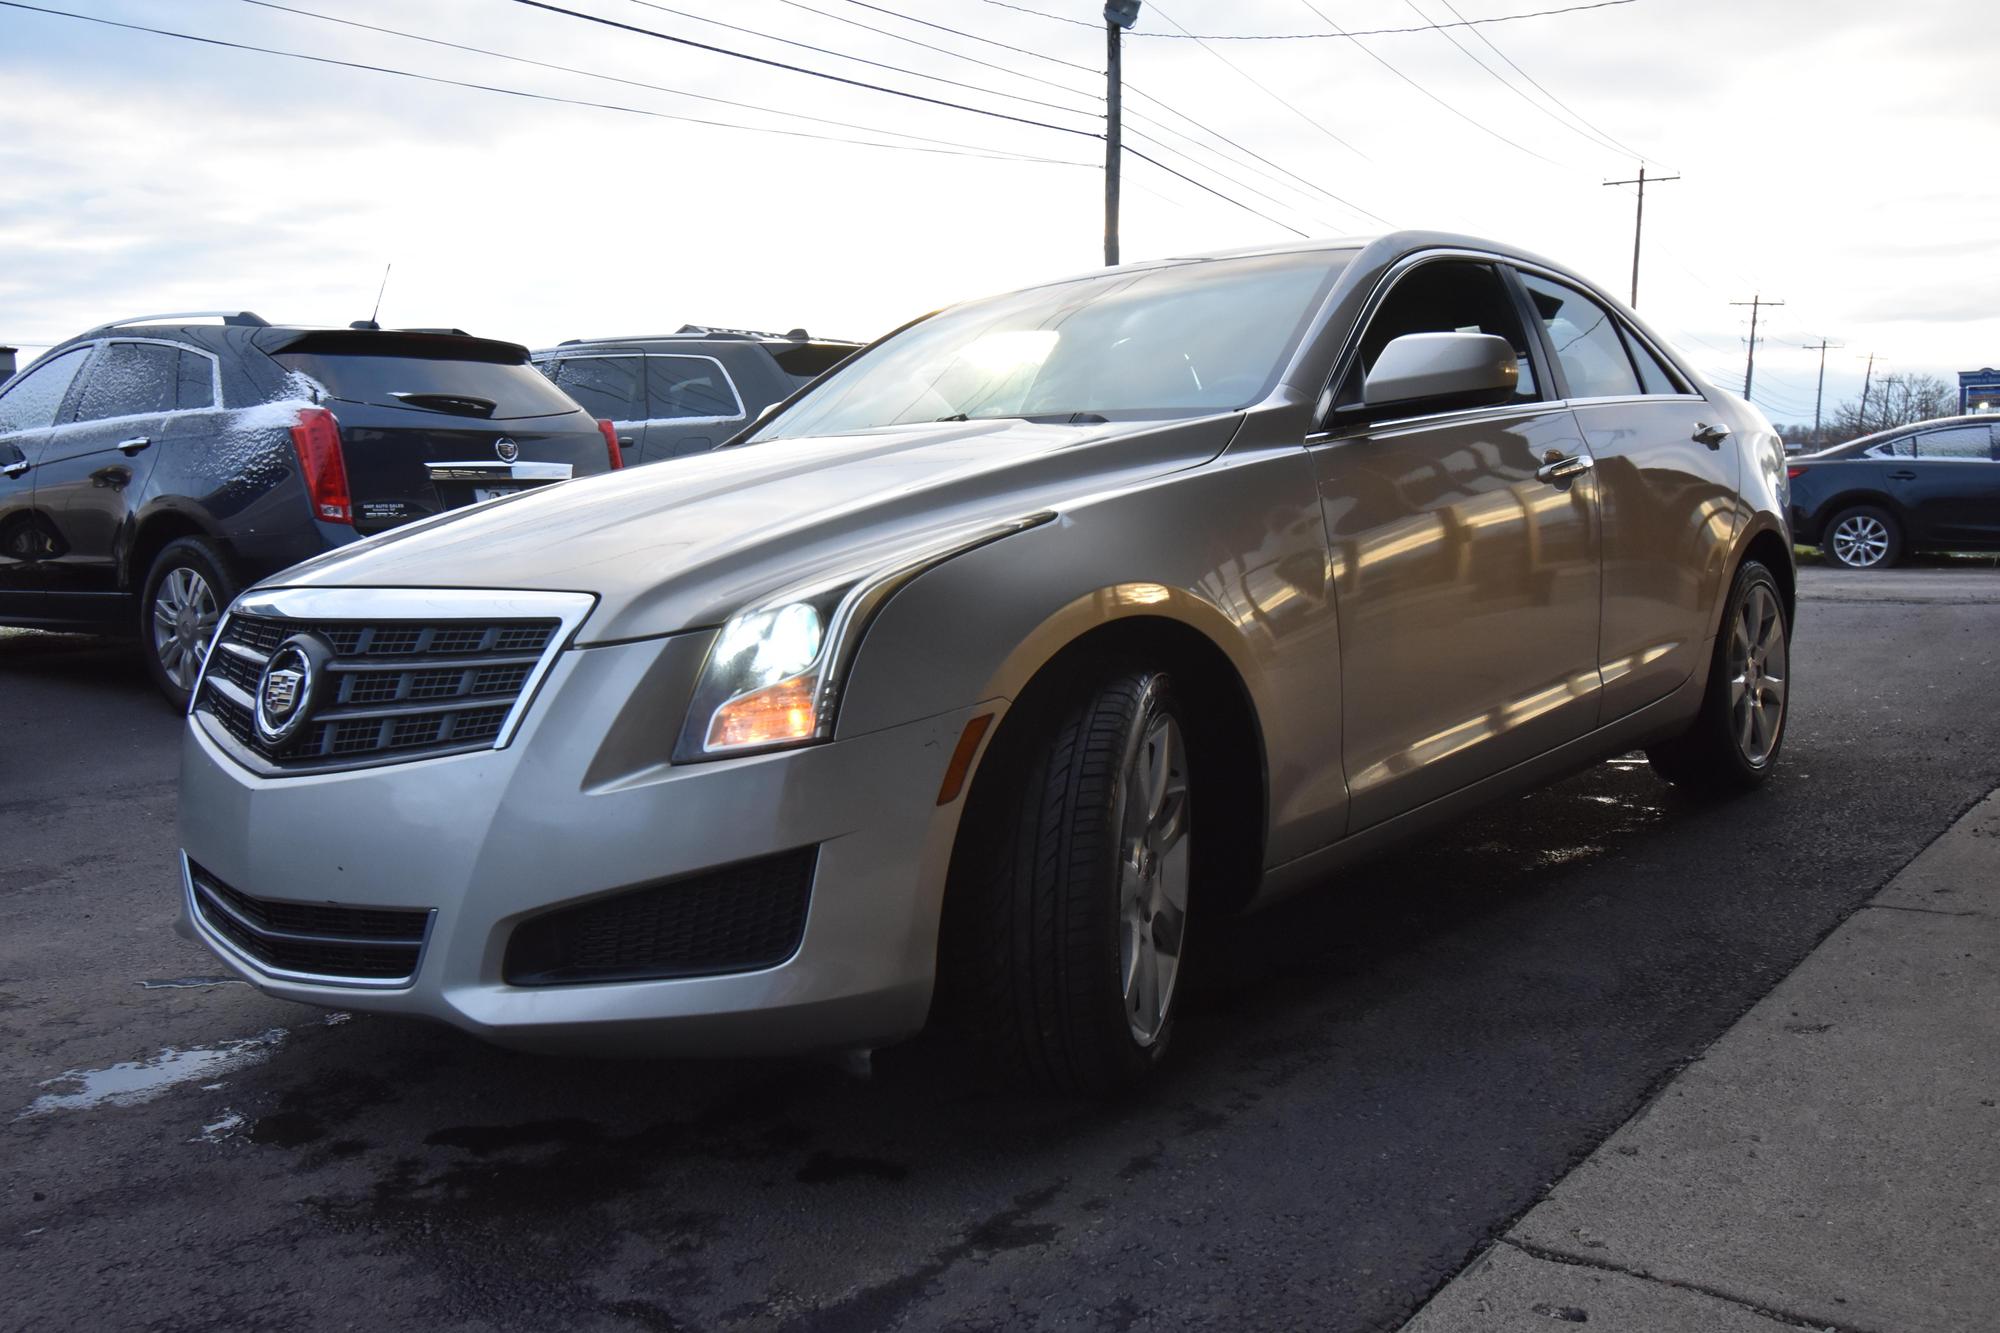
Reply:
x=1866, y=441
x=696, y=335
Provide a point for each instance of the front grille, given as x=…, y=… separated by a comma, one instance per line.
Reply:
x=736, y=919
x=372, y=945
x=393, y=689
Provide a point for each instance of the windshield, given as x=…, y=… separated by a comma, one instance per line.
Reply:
x=1185, y=340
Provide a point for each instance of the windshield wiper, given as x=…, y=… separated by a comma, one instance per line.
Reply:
x=1039, y=418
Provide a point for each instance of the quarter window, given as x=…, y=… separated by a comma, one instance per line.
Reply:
x=1959, y=442
x=1585, y=338
x=35, y=398
x=609, y=387
x=1654, y=377
x=129, y=380
x=689, y=386
x=1446, y=296
x=197, y=381
x=1898, y=448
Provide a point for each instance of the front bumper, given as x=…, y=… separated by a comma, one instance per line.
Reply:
x=582, y=803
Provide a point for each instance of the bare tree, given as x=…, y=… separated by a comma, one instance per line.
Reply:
x=1895, y=400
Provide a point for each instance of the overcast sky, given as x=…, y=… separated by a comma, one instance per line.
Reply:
x=1833, y=155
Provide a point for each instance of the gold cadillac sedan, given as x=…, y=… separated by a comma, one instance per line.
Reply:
x=981, y=676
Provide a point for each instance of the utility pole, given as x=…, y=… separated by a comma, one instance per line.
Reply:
x=1756, y=303
x=1866, y=380
x=1639, y=223
x=1819, y=395
x=1118, y=16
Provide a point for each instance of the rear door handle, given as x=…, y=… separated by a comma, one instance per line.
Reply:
x=1902, y=474
x=15, y=469
x=135, y=444
x=1712, y=436
x=1560, y=468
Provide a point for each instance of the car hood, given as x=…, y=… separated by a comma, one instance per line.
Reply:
x=688, y=543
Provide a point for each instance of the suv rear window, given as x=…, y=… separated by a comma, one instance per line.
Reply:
x=514, y=389
x=808, y=361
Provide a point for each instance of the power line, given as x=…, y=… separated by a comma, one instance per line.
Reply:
x=860, y=60
x=608, y=78
x=1212, y=190
x=1459, y=45
x=1136, y=91
x=1480, y=33
x=796, y=69
x=1264, y=89
x=942, y=50
x=1318, y=36
x=1476, y=124
x=522, y=93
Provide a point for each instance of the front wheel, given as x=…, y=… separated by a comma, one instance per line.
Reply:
x=186, y=591
x=1734, y=742
x=1068, y=944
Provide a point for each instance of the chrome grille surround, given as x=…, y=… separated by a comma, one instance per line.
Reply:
x=416, y=673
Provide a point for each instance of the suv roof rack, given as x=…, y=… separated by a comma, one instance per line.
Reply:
x=705, y=331
x=240, y=318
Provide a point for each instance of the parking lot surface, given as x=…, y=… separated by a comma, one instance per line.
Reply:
x=1372, y=1081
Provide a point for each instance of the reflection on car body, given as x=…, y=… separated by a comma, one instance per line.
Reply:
x=994, y=665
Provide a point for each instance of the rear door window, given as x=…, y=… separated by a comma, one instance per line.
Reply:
x=33, y=400
x=612, y=388
x=681, y=387
x=492, y=390
x=1585, y=338
x=129, y=380
x=1961, y=443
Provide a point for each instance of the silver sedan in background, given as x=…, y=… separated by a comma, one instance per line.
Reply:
x=984, y=674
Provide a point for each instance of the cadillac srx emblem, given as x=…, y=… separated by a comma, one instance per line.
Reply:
x=285, y=689
x=507, y=449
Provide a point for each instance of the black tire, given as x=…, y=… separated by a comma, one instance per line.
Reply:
x=1711, y=758
x=1042, y=912
x=174, y=652
x=1859, y=530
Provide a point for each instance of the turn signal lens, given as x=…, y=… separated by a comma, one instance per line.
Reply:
x=786, y=711
x=316, y=438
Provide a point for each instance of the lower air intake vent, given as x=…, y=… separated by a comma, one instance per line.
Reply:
x=737, y=919
x=358, y=945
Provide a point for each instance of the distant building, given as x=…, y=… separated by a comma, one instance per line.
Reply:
x=1979, y=390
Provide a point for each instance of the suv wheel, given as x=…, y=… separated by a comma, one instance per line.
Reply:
x=186, y=591
x=1067, y=948
x=1865, y=537
x=1733, y=744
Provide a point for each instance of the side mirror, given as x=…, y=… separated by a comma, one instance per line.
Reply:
x=1475, y=368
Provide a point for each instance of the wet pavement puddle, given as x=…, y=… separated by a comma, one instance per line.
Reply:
x=131, y=1082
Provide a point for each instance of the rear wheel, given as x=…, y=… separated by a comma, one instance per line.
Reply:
x=1734, y=742
x=185, y=594
x=1865, y=537
x=1067, y=942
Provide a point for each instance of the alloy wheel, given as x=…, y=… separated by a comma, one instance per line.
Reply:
x=1759, y=664
x=184, y=616
x=1860, y=541
x=1153, y=876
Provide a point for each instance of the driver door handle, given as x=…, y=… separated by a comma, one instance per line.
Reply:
x=1712, y=436
x=15, y=468
x=135, y=444
x=1561, y=467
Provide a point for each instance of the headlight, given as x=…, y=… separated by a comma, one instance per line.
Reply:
x=764, y=681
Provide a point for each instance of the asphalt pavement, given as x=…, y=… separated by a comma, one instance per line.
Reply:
x=1373, y=1083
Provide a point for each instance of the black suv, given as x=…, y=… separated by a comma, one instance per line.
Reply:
x=688, y=391
x=150, y=469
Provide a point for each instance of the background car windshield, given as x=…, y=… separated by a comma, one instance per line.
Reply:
x=1178, y=341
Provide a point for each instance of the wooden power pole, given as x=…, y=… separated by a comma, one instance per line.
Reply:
x=1118, y=16
x=1819, y=394
x=1756, y=303
x=1639, y=222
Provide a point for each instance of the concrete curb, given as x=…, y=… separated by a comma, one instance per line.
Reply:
x=1832, y=1162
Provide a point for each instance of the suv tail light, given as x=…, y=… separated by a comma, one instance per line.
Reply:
x=316, y=437
x=611, y=448
x=1794, y=472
